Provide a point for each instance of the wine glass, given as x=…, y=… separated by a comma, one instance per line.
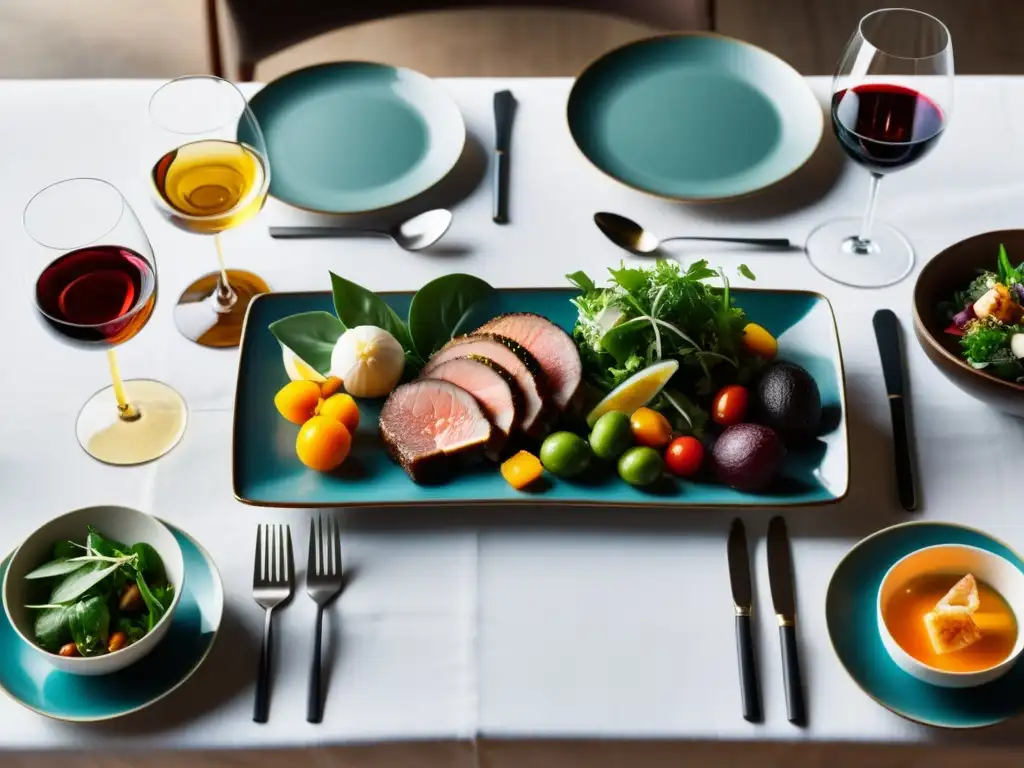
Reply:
x=892, y=96
x=210, y=174
x=93, y=278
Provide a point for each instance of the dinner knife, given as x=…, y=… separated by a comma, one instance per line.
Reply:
x=887, y=333
x=504, y=106
x=742, y=598
x=780, y=578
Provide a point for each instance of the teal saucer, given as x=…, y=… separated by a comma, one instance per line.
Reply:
x=694, y=117
x=351, y=137
x=33, y=683
x=850, y=610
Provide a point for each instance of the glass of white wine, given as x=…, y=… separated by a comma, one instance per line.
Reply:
x=210, y=174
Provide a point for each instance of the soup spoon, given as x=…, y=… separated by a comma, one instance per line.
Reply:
x=413, y=234
x=627, y=234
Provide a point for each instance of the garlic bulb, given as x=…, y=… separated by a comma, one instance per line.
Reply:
x=369, y=361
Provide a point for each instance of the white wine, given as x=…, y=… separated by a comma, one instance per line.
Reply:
x=210, y=186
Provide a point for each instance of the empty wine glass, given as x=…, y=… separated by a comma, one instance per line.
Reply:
x=210, y=173
x=93, y=278
x=892, y=97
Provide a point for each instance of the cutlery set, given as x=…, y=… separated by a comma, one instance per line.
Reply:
x=274, y=585
x=780, y=577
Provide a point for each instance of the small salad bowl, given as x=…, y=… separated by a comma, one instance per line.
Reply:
x=953, y=559
x=113, y=522
x=950, y=271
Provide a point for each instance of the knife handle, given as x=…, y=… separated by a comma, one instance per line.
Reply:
x=901, y=446
x=791, y=675
x=500, y=187
x=748, y=671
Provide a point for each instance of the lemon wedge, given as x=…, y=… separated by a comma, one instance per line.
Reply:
x=298, y=369
x=636, y=391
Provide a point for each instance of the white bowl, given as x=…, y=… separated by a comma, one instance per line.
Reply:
x=119, y=523
x=956, y=560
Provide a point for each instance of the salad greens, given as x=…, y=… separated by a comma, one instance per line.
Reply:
x=96, y=592
x=660, y=313
x=437, y=313
x=987, y=316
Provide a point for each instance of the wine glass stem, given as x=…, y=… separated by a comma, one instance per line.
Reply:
x=863, y=244
x=125, y=410
x=226, y=296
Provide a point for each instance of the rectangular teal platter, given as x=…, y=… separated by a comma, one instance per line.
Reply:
x=266, y=471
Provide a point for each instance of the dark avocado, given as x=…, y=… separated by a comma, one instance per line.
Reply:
x=786, y=398
x=748, y=457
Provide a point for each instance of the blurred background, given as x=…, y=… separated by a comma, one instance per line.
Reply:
x=265, y=38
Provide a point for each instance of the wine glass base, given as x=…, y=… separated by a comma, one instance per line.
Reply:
x=202, y=319
x=834, y=250
x=108, y=438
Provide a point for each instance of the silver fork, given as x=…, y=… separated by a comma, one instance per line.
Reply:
x=323, y=582
x=272, y=583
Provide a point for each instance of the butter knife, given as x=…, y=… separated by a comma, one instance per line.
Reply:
x=887, y=333
x=742, y=598
x=780, y=578
x=504, y=107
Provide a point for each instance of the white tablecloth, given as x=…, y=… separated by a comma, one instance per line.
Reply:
x=511, y=622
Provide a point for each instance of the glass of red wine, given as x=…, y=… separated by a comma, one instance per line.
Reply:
x=93, y=279
x=892, y=97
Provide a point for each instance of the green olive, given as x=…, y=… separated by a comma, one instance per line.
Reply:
x=565, y=454
x=611, y=435
x=641, y=465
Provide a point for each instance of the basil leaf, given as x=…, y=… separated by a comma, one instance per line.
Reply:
x=65, y=549
x=81, y=581
x=746, y=272
x=156, y=608
x=311, y=336
x=630, y=280
x=89, y=622
x=56, y=568
x=357, y=306
x=148, y=562
x=101, y=545
x=51, y=628
x=582, y=281
x=440, y=307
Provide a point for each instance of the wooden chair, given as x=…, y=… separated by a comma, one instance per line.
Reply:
x=261, y=28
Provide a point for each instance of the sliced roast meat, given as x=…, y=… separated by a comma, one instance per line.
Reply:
x=427, y=424
x=551, y=346
x=491, y=385
x=512, y=357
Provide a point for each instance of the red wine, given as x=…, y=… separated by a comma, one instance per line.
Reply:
x=103, y=294
x=885, y=127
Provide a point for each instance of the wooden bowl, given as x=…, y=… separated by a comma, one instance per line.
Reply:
x=950, y=271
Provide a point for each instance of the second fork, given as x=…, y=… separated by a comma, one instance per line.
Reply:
x=323, y=582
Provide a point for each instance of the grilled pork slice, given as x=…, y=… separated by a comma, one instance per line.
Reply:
x=553, y=348
x=514, y=359
x=427, y=424
x=492, y=386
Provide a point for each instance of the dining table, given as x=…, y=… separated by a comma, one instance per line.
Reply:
x=512, y=635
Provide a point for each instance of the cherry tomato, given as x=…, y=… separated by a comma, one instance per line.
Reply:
x=730, y=406
x=650, y=428
x=684, y=456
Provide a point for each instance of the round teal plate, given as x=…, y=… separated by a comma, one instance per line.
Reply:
x=695, y=117
x=29, y=680
x=850, y=607
x=351, y=137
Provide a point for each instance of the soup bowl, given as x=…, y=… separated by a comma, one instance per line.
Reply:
x=118, y=523
x=954, y=560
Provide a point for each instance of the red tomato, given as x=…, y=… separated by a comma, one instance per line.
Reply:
x=684, y=456
x=730, y=406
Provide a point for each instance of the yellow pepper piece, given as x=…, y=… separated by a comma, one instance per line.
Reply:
x=759, y=342
x=521, y=470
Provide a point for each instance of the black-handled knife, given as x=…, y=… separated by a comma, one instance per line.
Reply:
x=780, y=578
x=887, y=333
x=504, y=107
x=742, y=598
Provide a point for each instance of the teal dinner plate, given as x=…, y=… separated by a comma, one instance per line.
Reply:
x=30, y=681
x=350, y=137
x=267, y=472
x=851, y=614
x=694, y=117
